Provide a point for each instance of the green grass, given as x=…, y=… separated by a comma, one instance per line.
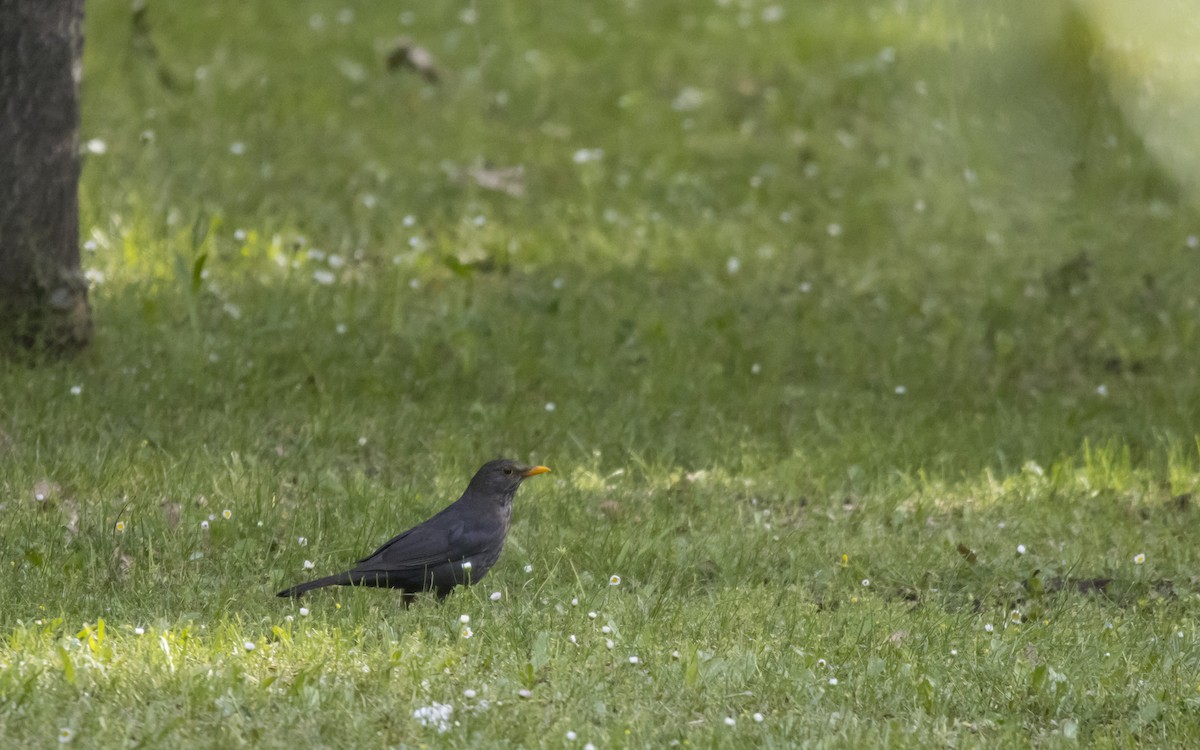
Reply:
x=829, y=331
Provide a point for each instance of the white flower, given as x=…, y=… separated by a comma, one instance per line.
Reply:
x=573, y=639
x=302, y=541
x=120, y=527
x=689, y=99
x=139, y=631
x=733, y=265
x=608, y=643
x=586, y=155
x=237, y=148
x=571, y=736
x=1020, y=549
x=634, y=660
x=65, y=735
x=592, y=615
x=304, y=611
x=755, y=368
x=523, y=693
x=821, y=663
x=95, y=146
x=758, y=717
x=204, y=525
x=605, y=629
x=227, y=514
x=466, y=566
x=323, y=277
x=575, y=602
x=866, y=582
x=362, y=441
x=529, y=568
x=730, y=721
x=436, y=715
x=1102, y=390
x=464, y=619
x=988, y=628
x=469, y=693
x=901, y=390
x=495, y=596
x=833, y=681
x=467, y=632
x=76, y=390
x=309, y=565
x=614, y=580
x=249, y=645
x=1139, y=558
x=550, y=406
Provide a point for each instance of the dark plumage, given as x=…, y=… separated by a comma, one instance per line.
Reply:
x=458, y=545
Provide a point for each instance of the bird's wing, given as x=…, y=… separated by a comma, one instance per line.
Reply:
x=394, y=540
x=422, y=546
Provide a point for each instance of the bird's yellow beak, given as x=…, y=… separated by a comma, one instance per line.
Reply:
x=536, y=470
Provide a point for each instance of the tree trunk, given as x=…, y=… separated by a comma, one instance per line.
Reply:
x=43, y=294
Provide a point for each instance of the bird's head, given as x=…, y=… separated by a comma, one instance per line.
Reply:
x=503, y=476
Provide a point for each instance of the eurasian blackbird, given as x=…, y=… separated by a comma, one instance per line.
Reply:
x=458, y=545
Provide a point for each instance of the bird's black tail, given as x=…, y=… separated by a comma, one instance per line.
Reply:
x=339, y=579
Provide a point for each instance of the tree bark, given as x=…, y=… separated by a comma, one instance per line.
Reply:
x=43, y=294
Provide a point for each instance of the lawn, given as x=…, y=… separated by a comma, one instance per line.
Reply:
x=863, y=339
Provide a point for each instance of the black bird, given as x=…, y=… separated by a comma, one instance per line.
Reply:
x=458, y=545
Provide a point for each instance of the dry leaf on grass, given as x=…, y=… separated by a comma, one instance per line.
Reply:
x=409, y=54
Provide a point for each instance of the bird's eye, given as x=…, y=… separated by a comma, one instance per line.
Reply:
x=508, y=471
